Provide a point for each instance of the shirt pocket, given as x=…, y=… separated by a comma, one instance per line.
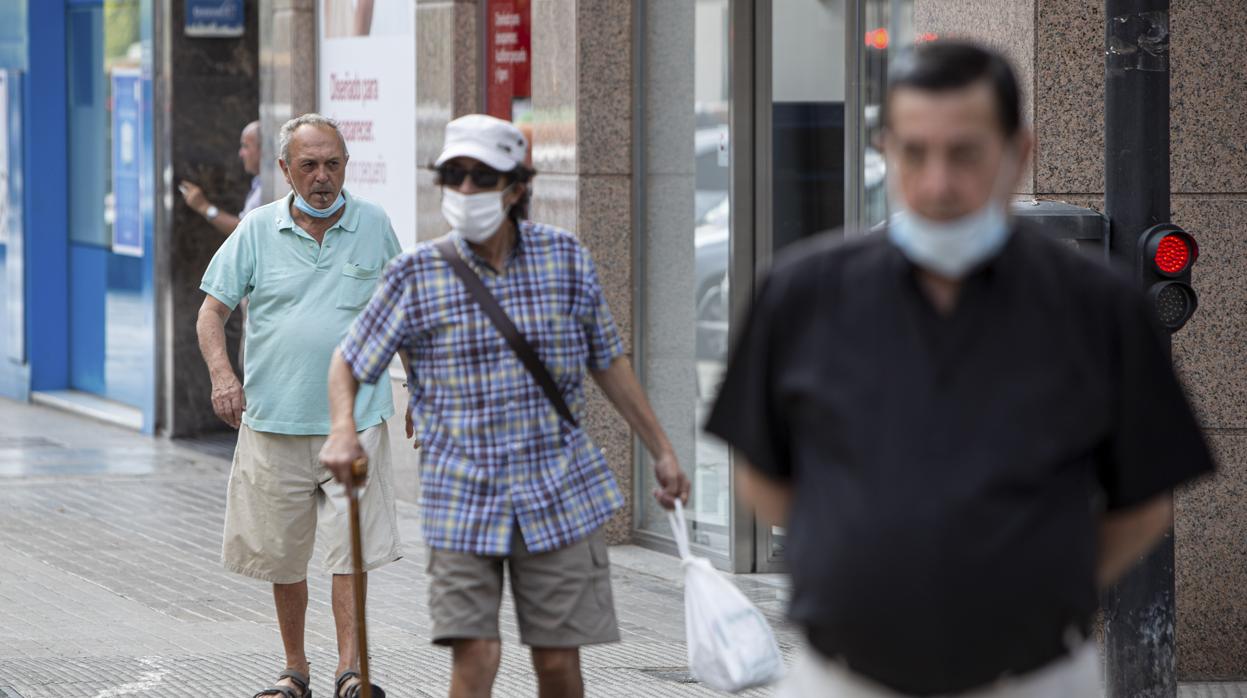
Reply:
x=562, y=346
x=356, y=285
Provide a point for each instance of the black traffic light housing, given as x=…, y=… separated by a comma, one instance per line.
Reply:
x=1166, y=255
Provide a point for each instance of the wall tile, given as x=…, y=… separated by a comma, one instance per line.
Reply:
x=1069, y=97
x=1211, y=567
x=1209, y=134
x=605, y=227
x=1007, y=25
x=1211, y=351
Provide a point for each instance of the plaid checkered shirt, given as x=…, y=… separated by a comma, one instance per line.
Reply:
x=496, y=453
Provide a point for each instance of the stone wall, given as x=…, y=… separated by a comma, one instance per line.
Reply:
x=582, y=149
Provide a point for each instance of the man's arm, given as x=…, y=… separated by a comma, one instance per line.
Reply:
x=1127, y=535
x=770, y=498
x=407, y=379
x=225, y=223
x=342, y=448
x=625, y=393
x=228, y=399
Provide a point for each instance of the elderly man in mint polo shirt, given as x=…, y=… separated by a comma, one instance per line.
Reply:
x=307, y=262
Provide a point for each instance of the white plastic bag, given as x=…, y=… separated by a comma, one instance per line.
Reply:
x=730, y=644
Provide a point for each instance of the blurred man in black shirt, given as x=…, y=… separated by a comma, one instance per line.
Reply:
x=968, y=429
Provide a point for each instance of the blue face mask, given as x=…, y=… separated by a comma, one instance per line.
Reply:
x=305, y=207
x=951, y=249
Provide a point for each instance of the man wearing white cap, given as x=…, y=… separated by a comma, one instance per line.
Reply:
x=501, y=319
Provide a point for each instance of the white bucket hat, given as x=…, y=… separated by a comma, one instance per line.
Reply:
x=495, y=142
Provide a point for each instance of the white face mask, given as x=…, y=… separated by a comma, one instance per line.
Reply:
x=953, y=248
x=474, y=217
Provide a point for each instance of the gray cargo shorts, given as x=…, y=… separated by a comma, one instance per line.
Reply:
x=562, y=597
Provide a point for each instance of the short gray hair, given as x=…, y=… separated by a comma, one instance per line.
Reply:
x=310, y=119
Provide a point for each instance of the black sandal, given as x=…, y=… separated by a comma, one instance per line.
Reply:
x=300, y=682
x=353, y=690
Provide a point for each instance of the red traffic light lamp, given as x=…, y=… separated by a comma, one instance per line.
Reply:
x=1166, y=255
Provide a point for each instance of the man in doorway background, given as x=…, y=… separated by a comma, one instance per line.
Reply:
x=249, y=153
x=967, y=428
x=308, y=262
x=510, y=478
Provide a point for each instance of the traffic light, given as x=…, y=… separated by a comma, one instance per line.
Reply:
x=1166, y=255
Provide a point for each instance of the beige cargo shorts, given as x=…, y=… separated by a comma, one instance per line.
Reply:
x=280, y=499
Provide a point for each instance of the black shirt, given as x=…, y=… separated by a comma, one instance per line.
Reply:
x=949, y=471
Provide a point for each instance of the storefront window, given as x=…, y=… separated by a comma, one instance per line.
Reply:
x=111, y=298
x=686, y=250
x=814, y=169
x=11, y=295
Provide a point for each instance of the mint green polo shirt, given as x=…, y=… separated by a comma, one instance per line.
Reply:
x=303, y=298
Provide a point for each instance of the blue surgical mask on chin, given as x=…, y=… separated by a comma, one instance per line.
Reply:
x=951, y=248
x=305, y=207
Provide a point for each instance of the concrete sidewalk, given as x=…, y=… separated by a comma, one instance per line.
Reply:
x=110, y=586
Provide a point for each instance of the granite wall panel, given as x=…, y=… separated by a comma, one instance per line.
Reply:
x=1211, y=567
x=1209, y=150
x=287, y=55
x=1211, y=351
x=1007, y=25
x=582, y=150
x=1069, y=97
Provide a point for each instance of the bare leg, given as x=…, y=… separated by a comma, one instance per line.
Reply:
x=344, y=621
x=291, y=601
x=558, y=673
x=475, y=666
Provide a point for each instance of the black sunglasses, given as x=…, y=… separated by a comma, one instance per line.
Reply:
x=483, y=177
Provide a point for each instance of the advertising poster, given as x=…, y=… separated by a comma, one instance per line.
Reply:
x=127, y=146
x=508, y=59
x=366, y=81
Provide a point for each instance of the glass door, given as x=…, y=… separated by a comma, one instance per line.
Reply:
x=821, y=69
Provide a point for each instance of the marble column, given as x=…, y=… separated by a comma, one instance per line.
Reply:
x=213, y=95
x=447, y=86
x=582, y=149
x=287, y=78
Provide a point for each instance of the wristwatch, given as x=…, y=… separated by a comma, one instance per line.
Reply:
x=212, y=212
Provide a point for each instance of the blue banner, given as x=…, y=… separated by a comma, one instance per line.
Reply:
x=127, y=159
x=215, y=18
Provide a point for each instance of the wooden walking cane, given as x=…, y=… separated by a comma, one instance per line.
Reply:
x=359, y=470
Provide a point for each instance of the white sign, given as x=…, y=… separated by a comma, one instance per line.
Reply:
x=367, y=82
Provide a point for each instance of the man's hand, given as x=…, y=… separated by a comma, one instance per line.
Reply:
x=194, y=196
x=339, y=454
x=673, y=483
x=228, y=399
x=411, y=430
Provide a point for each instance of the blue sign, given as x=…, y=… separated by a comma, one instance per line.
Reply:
x=127, y=161
x=215, y=18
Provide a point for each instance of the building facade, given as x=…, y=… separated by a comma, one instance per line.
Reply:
x=684, y=141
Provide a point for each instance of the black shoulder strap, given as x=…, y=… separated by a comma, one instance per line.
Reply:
x=523, y=350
